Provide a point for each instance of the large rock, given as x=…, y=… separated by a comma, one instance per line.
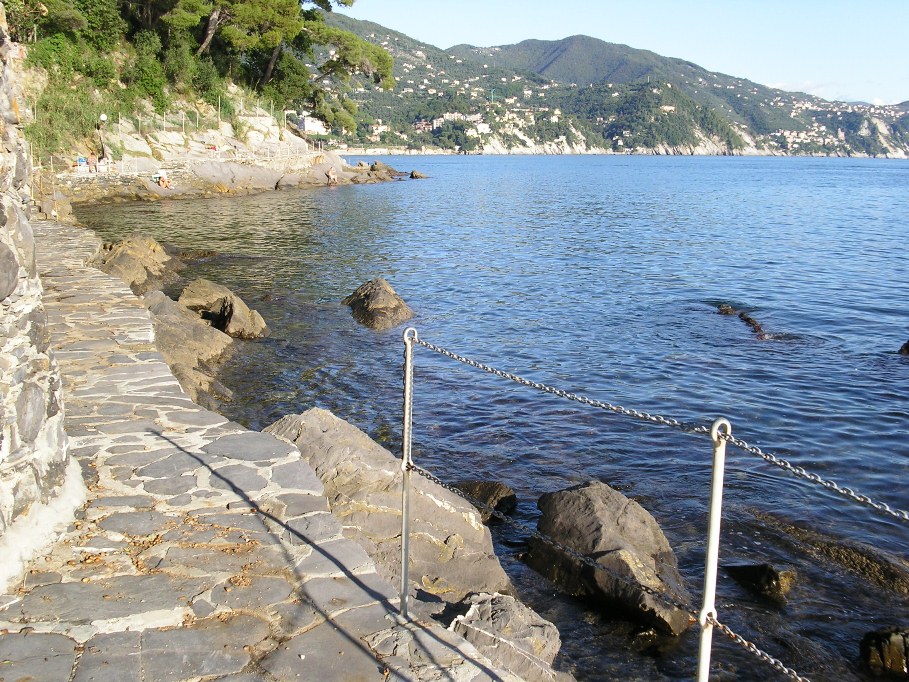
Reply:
x=904, y=349
x=621, y=536
x=223, y=309
x=139, y=261
x=763, y=579
x=451, y=550
x=190, y=347
x=376, y=305
x=886, y=652
x=512, y=635
x=492, y=495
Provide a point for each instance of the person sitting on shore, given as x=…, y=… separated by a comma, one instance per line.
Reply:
x=161, y=178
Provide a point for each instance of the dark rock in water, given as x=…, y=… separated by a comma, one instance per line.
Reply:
x=417, y=175
x=754, y=324
x=763, y=579
x=493, y=494
x=904, y=349
x=622, y=537
x=380, y=167
x=376, y=305
x=223, y=309
x=886, y=652
x=515, y=637
x=140, y=261
x=726, y=309
x=869, y=563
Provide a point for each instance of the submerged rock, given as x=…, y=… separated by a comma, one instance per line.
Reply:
x=493, y=494
x=377, y=306
x=223, y=310
x=904, y=349
x=763, y=579
x=886, y=652
x=621, y=536
x=726, y=309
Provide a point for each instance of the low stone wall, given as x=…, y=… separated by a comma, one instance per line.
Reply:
x=39, y=485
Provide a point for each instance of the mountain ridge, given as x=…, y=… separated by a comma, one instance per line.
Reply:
x=585, y=94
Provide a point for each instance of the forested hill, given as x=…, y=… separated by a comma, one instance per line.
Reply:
x=581, y=93
x=579, y=59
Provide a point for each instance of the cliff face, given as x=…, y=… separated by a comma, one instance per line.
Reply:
x=39, y=484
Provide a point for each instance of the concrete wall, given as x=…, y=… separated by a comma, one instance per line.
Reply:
x=36, y=474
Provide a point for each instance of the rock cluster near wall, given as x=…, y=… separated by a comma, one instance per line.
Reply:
x=39, y=487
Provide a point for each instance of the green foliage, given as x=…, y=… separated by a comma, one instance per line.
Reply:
x=56, y=53
x=180, y=64
x=104, y=27
x=147, y=75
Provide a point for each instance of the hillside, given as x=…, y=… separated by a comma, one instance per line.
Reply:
x=584, y=94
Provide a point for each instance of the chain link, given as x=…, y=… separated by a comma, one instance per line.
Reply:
x=798, y=471
x=753, y=649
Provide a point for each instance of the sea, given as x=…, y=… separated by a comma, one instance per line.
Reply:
x=602, y=276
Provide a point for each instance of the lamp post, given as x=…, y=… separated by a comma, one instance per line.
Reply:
x=102, y=119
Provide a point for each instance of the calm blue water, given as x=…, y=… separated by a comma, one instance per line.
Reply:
x=601, y=275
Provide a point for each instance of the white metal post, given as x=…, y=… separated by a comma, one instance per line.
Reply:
x=410, y=335
x=708, y=610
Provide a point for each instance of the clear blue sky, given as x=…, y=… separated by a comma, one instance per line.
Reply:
x=836, y=49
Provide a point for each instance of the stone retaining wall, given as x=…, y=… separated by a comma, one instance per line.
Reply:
x=39, y=487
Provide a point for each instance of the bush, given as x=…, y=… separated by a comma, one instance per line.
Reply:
x=180, y=64
x=101, y=70
x=55, y=53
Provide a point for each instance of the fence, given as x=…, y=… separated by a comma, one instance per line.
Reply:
x=720, y=434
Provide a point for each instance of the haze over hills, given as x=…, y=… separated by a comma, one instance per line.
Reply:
x=583, y=94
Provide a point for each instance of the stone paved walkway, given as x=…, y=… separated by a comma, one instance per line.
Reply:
x=205, y=551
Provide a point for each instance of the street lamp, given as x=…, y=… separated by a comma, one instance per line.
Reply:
x=102, y=119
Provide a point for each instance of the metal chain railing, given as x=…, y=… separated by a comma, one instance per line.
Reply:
x=720, y=433
x=685, y=427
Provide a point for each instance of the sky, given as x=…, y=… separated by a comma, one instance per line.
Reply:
x=847, y=50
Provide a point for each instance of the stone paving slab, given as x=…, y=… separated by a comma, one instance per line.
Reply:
x=205, y=551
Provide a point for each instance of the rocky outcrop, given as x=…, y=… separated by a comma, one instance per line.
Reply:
x=417, y=175
x=726, y=309
x=492, y=495
x=140, y=261
x=622, y=537
x=223, y=310
x=886, y=652
x=763, y=579
x=377, y=306
x=190, y=347
x=516, y=637
x=451, y=549
x=40, y=484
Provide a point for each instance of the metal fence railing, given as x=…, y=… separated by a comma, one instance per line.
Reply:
x=720, y=434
